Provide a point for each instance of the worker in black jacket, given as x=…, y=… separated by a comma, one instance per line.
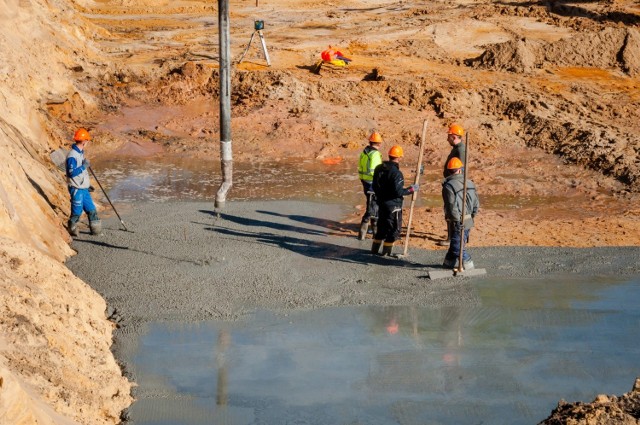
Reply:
x=388, y=185
x=458, y=150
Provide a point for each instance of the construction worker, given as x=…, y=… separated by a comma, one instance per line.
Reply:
x=454, y=137
x=77, y=167
x=388, y=185
x=370, y=158
x=452, y=192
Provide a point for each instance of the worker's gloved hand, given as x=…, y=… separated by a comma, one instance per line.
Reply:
x=414, y=187
x=86, y=164
x=91, y=188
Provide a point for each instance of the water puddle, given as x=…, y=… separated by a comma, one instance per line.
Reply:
x=509, y=360
x=171, y=178
x=162, y=178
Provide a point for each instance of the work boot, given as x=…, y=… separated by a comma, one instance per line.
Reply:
x=73, y=228
x=446, y=242
x=375, y=247
x=386, y=249
x=363, y=230
x=449, y=264
x=96, y=227
x=468, y=265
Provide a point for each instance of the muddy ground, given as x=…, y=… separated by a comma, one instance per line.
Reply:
x=549, y=93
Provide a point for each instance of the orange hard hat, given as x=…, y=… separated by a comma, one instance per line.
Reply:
x=396, y=152
x=454, y=163
x=375, y=137
x=456, y=129
x=81, y=135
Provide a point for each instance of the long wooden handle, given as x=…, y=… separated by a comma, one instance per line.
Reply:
x=464, y=200
x=416, y=181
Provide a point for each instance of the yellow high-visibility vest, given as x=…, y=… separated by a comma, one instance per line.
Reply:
x=369, y=159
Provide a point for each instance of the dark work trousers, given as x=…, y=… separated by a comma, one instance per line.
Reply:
x=371, y=210
x=389, y=223
x=454, y=246
x=449, y=230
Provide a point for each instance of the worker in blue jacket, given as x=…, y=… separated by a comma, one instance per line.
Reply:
x=77, y=167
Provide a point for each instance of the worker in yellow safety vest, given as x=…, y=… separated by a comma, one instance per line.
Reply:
x=370, y=158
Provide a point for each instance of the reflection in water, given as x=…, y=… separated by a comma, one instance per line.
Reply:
x=176, y=178
x=508, y=360
x=223, y=343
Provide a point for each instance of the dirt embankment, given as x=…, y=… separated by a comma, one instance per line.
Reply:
x=549, y=92
x=56, y=366
x=604, y=410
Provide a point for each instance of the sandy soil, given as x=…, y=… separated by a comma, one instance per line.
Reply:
x=550, y=98
x=549, y=92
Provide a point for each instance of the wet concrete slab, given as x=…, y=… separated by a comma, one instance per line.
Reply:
x=528, y=344
x=267, y=313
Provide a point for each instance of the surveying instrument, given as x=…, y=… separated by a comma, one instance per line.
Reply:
x=258, y=26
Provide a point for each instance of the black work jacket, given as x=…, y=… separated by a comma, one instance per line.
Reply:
x=457, y=151
x=388, y=184
x=452, y=189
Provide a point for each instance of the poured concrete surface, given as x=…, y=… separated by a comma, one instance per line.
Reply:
x=184, y=264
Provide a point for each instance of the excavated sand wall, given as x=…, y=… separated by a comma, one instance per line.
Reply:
x=56, y=366
x=550, y=124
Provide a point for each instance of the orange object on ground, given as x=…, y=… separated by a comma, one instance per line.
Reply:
x=332, y=54
x=332, y=161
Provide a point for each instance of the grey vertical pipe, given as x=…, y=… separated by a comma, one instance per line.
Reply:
x=226, y=157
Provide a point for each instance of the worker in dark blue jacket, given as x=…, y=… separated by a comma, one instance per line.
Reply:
x=388, y=185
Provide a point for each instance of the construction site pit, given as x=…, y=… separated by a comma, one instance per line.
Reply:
x=271, y=311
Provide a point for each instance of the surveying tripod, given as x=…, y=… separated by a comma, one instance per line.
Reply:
x=258, y=26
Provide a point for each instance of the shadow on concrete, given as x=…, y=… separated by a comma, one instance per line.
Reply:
x=108, y=245
x=250, y=222
x=100, y=243
x=320, y=222
x=317, y=249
